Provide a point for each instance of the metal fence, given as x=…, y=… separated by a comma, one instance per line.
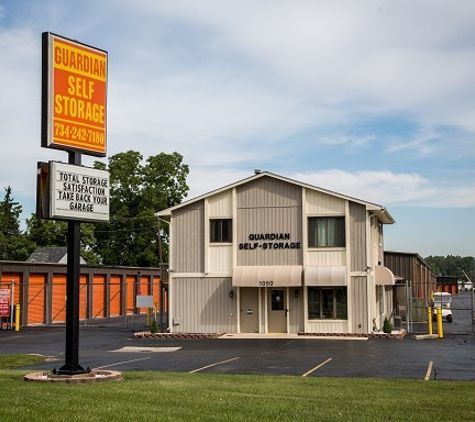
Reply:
x=99, y=301
x=411, y=313
x=462, y=314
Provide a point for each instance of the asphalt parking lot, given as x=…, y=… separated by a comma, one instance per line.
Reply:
x=113, y=347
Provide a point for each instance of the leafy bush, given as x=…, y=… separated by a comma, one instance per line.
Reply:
x=154, y=327
x=387, y=327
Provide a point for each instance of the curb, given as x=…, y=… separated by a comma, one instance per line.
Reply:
x=213, y=336
x=93, y=376
x=177, y=336
x=426, y=337
x=398, y=336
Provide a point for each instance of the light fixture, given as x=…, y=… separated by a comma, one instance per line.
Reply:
x=231, y=294
x=296, y=293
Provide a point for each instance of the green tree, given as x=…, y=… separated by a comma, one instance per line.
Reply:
x=453, y=266
x=468, y=266
x=46, y=233
x=13, y=245
x=137, y=191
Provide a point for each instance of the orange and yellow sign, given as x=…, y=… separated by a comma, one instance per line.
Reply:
x=74, y=96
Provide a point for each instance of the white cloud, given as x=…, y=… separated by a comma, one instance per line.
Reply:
x=380, y=187
x=387, y=188
x=401, y=53
x=281, y=85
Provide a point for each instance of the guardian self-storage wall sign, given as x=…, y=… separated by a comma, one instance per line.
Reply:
x=74, y=105
x=78, y=193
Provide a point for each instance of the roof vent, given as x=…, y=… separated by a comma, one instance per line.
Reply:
x=257, y=171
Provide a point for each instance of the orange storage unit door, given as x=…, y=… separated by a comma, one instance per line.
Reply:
x=82, y=297
x=144, y=285
x=156, y=292
x=36, y=298
x=98, y=290
x=12, y=281
x=131, y=281
x=115, y=295
x=59, y=298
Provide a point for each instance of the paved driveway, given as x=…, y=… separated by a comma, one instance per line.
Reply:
x=113, y=347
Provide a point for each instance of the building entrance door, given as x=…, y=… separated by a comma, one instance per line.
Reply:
x=249, y=309
x=277, y=311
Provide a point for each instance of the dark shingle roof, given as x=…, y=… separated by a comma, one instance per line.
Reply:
x=53, y=254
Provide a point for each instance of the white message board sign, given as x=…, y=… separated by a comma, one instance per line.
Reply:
x=78, y=193
x=144, y=301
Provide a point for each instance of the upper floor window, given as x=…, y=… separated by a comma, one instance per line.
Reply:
x=221, y=231
x=326, y=232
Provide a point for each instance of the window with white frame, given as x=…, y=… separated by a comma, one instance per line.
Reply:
x=327, y=303
x=221, y=230
x=326, y=232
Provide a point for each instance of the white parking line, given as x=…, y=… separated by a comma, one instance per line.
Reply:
x=213, y=364
x=316, y=367
x=121, y=363
x=429, y=371
x=133, y=349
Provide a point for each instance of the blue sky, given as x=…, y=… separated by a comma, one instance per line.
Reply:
x=372, y=99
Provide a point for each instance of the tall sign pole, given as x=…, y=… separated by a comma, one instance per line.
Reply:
x=73, y=119
x=71, y=363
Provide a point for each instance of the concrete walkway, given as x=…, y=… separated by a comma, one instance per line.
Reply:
x=268, y=336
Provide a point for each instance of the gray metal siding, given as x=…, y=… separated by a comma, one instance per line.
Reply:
x=268, y=192
x=360, y=305
x=357, y=222
x=269, y=206
x=188, y=236
x=411, y=267
x=402, y=265
x=203, y=305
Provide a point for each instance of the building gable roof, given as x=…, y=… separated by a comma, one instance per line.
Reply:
x=378, y=210
x=52, y=254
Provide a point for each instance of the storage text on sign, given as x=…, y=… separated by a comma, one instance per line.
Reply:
x=80, y=193
x=77, y=96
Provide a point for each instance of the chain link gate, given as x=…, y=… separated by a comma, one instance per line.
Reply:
x=462, y=314
x=411, y=313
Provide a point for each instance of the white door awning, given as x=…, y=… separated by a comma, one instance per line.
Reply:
x=267, y=276
x=325, y=275
x=383, y=276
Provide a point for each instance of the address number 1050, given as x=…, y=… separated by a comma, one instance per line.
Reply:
x=266, y=283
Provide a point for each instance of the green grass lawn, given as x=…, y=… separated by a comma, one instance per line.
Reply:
x=164, y=396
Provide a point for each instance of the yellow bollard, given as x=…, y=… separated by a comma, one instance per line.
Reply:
x=440, y=330
x=429, y=319
x=148, y=316
x=17, y=317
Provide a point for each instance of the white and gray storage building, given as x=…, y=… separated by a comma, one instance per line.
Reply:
x=269, y=254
